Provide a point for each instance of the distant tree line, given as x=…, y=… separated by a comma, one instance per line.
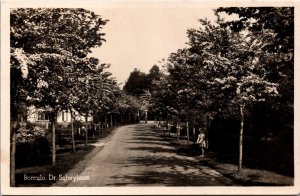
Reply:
x=139, y=82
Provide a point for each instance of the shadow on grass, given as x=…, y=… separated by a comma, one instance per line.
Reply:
x=66, y=159
x=226, y=164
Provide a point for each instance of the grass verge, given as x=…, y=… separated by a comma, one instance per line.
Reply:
x=245, y=177
x=47, y=175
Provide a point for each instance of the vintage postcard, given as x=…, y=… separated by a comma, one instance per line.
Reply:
x=149, y=97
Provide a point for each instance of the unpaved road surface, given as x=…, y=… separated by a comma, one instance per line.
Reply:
x=135, y=155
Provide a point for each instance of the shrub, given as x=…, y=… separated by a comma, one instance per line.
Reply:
x=33, y=147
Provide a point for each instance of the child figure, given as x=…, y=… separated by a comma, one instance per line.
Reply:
x=201, y=142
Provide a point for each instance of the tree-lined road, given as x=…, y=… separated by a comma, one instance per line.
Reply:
x=135, y=155
x=229, y=70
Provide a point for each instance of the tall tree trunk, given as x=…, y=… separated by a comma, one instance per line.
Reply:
x=241, y=138
x=165, y=127
x=169, y=129
x=129, y=120
x=167, y=124
x=187, y=132
x=94, y=130
x=158, y=123
x=206, y=134
x=105, y=120
x=177, y=130
x=115, y=119
x=100, y=126
x=111, y=119
x=13, y=154
x=121, y=118
x=53, y=142
x=86, y=130
x=194, y=132
x=72, y=131
x=14, y=126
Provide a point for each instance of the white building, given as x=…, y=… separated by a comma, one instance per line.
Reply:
x=41, y=117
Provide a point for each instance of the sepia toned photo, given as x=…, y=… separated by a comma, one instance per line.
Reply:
x=148, y=97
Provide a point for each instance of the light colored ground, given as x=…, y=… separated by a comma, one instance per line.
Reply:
x=136, y=156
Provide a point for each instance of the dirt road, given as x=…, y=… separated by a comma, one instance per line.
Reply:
x=135, y=155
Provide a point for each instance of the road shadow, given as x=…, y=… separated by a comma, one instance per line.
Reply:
x=175, y=172
x=154, y=149
x=146, y=138
x=153, y=178
x=144, y=133
x=136, y=141
x=161, y=165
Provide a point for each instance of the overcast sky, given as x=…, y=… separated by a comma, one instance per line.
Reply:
x=138, y=36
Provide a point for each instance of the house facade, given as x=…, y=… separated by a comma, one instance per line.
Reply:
x=40, y=117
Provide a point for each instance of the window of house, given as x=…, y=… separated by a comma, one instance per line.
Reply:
x=43, y=115
x=64, y=116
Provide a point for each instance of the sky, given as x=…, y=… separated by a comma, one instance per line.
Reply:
x=139, y=36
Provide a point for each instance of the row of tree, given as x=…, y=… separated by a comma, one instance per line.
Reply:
x=230, y=67
x=51, y=68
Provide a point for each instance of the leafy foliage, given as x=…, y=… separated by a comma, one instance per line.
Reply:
x=139, y=82
x=279, y=20
x=136, y=83
x=278, y=52
x=27, y=133
x=49, y=50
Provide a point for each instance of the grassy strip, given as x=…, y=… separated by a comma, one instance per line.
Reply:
x=43, y=175
x=246, y=177
x=251, y=177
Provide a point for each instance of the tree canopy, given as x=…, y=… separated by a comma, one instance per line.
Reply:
x=139, y=82
x=49, y=50
x=230, y=66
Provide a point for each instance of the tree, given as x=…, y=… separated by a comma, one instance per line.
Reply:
x=279, y=55
x=128, y=104
x=145, y=100
x=139, y=82
x=136, y=83
x=237, y=63
x=106, y=95
x=154, y=75
x=47, y=45
x=280, y=22
x=182, y=73
x=184, y=90
x=255, y=19
x=220, y=69
x=161, y=98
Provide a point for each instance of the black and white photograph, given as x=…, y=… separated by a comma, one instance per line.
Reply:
x=155, y=96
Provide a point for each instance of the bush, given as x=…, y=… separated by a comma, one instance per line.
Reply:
x=28, y=133
x=32, y=148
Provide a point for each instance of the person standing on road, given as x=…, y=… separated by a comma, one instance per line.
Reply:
x=83, y=130
x=201, y=142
